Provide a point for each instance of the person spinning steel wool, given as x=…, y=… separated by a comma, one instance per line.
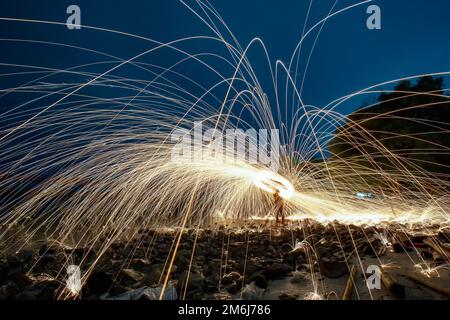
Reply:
x=279, y=206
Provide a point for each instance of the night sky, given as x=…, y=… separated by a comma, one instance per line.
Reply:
x=348, y=57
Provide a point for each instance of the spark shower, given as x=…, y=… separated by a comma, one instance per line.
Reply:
x=87, y=151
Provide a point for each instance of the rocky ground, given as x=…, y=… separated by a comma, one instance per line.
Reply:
x=303, y=260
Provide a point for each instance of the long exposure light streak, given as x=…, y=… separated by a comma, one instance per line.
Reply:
x=87, y=169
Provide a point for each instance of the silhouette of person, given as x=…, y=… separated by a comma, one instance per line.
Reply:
x=279, y=206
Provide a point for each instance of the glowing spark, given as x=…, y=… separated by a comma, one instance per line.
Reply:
x=94, y=171
x=429, y=271
x=313, y=296
x=382, y=237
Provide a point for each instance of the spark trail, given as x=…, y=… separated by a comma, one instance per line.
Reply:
x=90, y=168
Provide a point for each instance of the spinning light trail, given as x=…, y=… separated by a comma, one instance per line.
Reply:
x=90, y=168
x=270, y=181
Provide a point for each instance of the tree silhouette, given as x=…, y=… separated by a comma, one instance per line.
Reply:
x=411, y=123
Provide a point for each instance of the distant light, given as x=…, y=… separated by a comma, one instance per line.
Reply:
x=364, y=195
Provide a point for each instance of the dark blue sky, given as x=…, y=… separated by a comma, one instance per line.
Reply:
x=414, y=38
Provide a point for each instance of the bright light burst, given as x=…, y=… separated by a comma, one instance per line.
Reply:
x=270, y=181
x=88, y=169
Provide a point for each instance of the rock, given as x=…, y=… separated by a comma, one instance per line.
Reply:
x=381, y=251
x=259, y=279
x=193, y=282
x=369, y=250
x=290, y=259
x=233, y=287
x=298, y=277
x=287, y=296
x=271, y=249
x=426, y=254
x=182, y=263
x=213, y=252
x=8, y=290
x=398, y=247
x=140, y=264
x=14, y=262
x=333, y=269
x=250, y=267
x=99, y=282
x=213, y=277
x=250, y=292
x=76, y=251
x=275, y=271
x=230, y=278
x=155, y=273
x=144, y=293
x=47, y=258
x=417, y=240
x=4, y=266
x=131, y=275
x=25, y=256
x=444, y=236
x=28, y=295
x=403, y=242
x=125, y=252
x=197, y=295
x=209, y=270
x=46, y=250
x=223, y=295
x=48, y=290
x=438, y=258
x=19, y=278
x=210, y=286
x=4, y=270
x=185, y=253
